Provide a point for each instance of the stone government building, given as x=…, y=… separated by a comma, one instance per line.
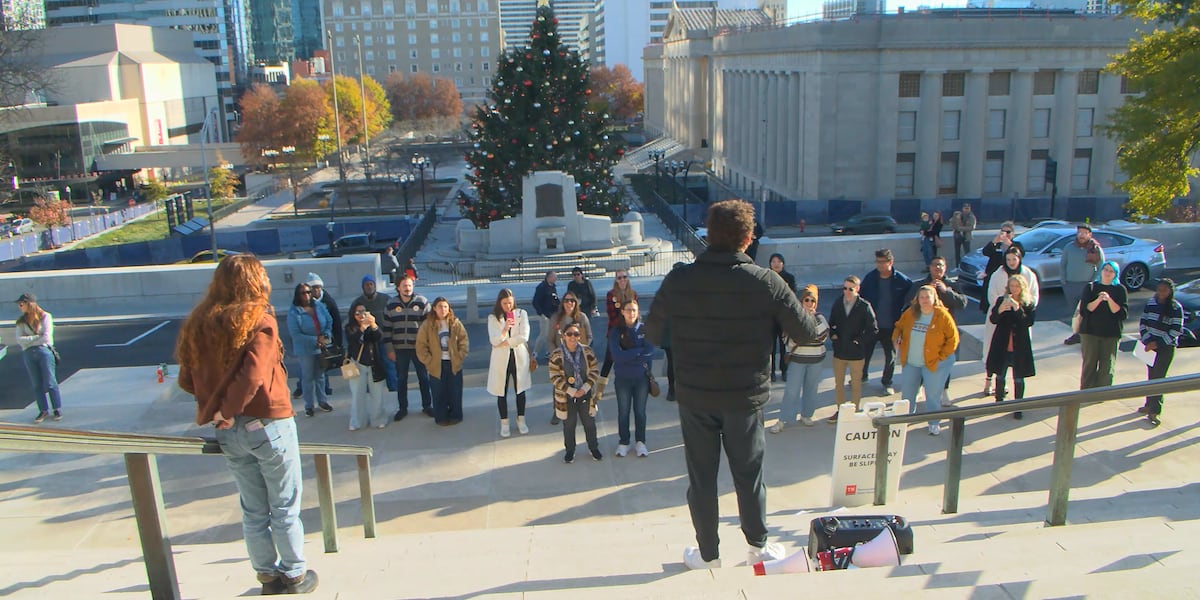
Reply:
x=922, y=108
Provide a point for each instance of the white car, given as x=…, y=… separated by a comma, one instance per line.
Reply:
x=20, y=226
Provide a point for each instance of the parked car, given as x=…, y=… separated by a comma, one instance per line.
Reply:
x=205, y=256
x=1051, y=223
x=1127, y=224
x=1141, y=261
x=20, y=226
x=865, y=224
x=1188, y=295
x=355, y=243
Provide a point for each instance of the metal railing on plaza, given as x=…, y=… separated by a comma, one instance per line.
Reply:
x=408, y=249
x=1068, y=405
x=675, y=223
x=141, y=470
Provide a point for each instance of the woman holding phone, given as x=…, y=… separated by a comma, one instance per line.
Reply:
x=1011, y=344
x=508, y=332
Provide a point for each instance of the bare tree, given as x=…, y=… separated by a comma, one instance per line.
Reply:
x=21, y=72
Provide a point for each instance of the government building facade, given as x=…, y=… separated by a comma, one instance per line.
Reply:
x=932, y=105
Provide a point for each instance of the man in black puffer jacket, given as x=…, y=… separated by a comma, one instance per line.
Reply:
x=722, y=313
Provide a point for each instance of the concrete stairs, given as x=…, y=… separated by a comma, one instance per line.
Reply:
x=640, y=159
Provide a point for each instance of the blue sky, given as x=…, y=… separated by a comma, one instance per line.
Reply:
x=800, y=8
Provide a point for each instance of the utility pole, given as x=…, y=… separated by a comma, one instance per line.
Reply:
x=362, y=91
x=337, y=120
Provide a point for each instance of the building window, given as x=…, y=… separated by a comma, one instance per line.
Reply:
x=948, y=173
x=389, y=7
x=999, y=82
x=437, y=68
x=412, y=25
x=412, y=54
x=1037, y=171
x=906, y=126
x=367, y=26
x=483, y=36
x=431, y=7
x=485, y=52
x=953, y=84
x=1130, y=87
x=391, y=40
x=910, y=85
x=410, y=7
x=1081, y=170
x=412, y=39
x=338, y=9
x=433, y=23
x=369, y=55
x=435, y=53
x=1083, y=122
x=950, y=121
x=1089, y=83
x=337, y=27
x=905, y=164
x=993, y=172
x=389, y=25
x=1043, y=83
x=391, y=54
x=457, y=52
x=366, y=8
x=412, y=68
x=487, y=66
x=995, y=124
x=339, y=42
x=433, y=38
x=1041, y=123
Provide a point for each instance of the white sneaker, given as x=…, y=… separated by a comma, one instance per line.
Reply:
x=987, y=386
x=640, y=450
x=768, y=552
x=622, y=450
x=889, y=390
x=504, y=432
x=693, y=560
x=521, y=425
x=777, y=427
x=807, y=421
x=935, y=429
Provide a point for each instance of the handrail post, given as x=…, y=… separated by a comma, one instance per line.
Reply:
x=1064, y=457
x=325, y=497
x=366, y=498
x=882, y=451
x=953, y=466
x=146, y=490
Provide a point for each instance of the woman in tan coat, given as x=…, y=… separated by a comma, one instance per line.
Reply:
x=925, y=338
x=442, y=346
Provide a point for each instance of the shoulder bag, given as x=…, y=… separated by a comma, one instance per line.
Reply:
x=350, y=367
x=654, y=389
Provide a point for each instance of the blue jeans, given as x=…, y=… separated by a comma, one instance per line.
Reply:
x=403, y=359
x=447, y=393
x=631, y=392
x=40, y=364
x=800, y=393
x=913, y=378
x=266, y=467
x=389, y=366
x=312, y=381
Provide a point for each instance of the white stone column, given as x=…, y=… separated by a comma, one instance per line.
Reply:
x=1062, y=126
x=929, y=136
x=974, y=136
x=1104, y=148
x=795, y=134
x=1019, y=124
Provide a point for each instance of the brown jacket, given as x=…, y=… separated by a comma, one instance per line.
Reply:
x=558, y=378
x=429, y=349
x=256, y=385
x=940, y=340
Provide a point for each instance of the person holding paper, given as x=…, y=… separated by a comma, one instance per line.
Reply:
x=1159, y=330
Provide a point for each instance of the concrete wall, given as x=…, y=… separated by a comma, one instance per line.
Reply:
x=173, y=290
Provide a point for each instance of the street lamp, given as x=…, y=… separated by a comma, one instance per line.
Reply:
x=362, y=91
x=656, y=156
x=295, y=184
x=212, y=225
x=673, y=168
x=420, y=162
x=404, y=180
x=337, y=120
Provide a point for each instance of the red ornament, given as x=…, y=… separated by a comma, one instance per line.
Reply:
x=493, y=213
x=587, y=92
x=528, y=83
x=620, y=152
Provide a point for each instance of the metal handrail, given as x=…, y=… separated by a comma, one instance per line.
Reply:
x=141, y=469
x=1067, y=403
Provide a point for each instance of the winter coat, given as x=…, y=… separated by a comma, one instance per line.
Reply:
x=1103, y=322
x=304, y=333
x=952, y=298
x=873, y=287
x=940, y=340
x=635, y=360
x=723, y=310
x=502, y=344
x=363, y=346
x=1019, y=323
x=560, y=370
x=586, y=294
x=852, y=333
x=997, y=286
x=429, y=346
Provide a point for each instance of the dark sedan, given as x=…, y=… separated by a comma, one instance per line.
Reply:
x=865, y=224
x=1188, y=295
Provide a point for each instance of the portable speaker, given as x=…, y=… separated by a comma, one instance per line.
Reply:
x=844, y=532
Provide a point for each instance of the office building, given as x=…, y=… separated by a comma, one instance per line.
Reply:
x=21, y=15
x=273, y=39
x=516, y=19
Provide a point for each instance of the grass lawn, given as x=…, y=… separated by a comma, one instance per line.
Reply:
x=152, y=227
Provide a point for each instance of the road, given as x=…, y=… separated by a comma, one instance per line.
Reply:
x=150, y=342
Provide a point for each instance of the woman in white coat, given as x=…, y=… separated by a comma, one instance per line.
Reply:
x=508, y=331
x=997, y=288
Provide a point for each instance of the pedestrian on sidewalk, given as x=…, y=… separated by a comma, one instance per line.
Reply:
x=391, y=265
x=885, y=288
x=722, y=311
x=852, y=328
x=442, y=346
x=581, y=286
x=229, y=353
x=1159, y=330
x=998, y=287
x=994, y=251
x=508, y=332
x=35, y=335
x=621, y=293
x=573, y=373
x=1078, y=265
x=568, y=312
x=545, y=304
x=804, y=361
x=309, y=325
x=362, y=345
x=376, y=303
x=1011, y=344
x=777, y=264
x=925, y=337
x=633, y=358
x=1103, y=306
x=951, y=298
x=401, y=321
x=317, y=286
x=964, y=228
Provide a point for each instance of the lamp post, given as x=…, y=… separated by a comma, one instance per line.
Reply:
x=362, y=91
x=419, y=163
x=212, y=226
x=337, y=120
x=656, y=156
x=404, y=180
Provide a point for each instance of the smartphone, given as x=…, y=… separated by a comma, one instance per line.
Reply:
x=511, y=316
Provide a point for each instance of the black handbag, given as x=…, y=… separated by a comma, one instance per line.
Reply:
x=332, y=357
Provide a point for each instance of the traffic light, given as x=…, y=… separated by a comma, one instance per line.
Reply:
x=1051, y=171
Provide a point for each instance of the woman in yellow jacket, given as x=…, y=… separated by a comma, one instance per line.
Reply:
x=925, y=338
x=442, y=347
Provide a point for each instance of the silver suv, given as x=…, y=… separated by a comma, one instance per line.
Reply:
x=1141, y=261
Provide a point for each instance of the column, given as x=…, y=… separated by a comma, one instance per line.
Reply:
x=1020, y=118
x=783, y=114
x=929, y=135
x=1062, y=126
x=1104, y=148
x=795, y=137
x=974, y=135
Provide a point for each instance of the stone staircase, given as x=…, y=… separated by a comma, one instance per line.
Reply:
x=640, y=159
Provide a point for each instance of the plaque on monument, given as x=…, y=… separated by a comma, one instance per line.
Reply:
x=549, y=200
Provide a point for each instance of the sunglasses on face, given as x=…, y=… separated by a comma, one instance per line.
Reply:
x=305, y=292
x=809, y=300
x=1006, y=231
x=572, y=334
x=849, y=289
x=359, y=313
x=569, y=300
x=622, y=277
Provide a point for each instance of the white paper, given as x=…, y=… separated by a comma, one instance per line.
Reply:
x=1141, y=353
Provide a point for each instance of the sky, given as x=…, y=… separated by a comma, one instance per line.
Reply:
x=800, y=8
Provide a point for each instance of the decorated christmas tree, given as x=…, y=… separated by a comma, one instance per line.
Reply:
x=536, y=119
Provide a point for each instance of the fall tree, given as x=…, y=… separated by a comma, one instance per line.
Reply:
x=1158, y=130
x=157, y=190
x=616, y=92
x=260, y=129
x=222, y=183
x=420, y=97
x=306, y=121
x=350, y=107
